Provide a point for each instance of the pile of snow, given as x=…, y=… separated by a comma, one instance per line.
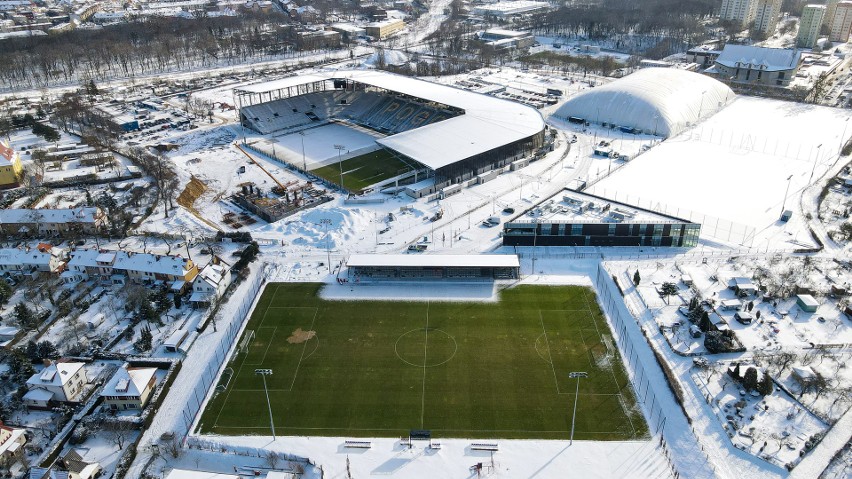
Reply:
x=392, y=57
x=309, y=229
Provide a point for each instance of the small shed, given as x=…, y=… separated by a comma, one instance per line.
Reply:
x=742, y=286
x=175, y=340
x=743, y=317
x=687, y=279
x=730, y=304
x=807, y=303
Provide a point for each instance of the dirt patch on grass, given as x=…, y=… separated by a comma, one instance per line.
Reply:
x=300, y=336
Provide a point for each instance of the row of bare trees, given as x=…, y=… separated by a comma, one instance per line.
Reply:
x=145, y=46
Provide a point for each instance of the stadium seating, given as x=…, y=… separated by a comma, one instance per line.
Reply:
x=381, y=112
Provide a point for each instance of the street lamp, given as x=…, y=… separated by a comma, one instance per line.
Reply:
x=785, y=194
x=326, y=222
x=816, y=159
x=578, y=375
x=701, y=105
x=339, y=149
x=263, y=373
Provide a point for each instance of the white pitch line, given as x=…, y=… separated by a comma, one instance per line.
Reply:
x=423, y=391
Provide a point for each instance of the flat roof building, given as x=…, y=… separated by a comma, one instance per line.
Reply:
x=384, y=29
x=809, y=25
x=841, y=23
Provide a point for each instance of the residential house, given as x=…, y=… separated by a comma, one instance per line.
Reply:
x=150, y=268
x=129, y=388
x=62, y=381
x=70, y=466
x=10, y=167
x=45, y=258
x=210, y=284
x=12, y=441
x=51, y=222
x=119, y=267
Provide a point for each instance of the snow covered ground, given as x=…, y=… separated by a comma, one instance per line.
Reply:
x=319, y=145
x=735, y=166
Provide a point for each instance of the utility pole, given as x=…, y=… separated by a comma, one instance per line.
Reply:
x=263, y=373
x=578, y=375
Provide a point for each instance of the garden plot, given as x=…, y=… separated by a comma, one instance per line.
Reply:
x=778, y=323
x=819, y=379
x=774, y=427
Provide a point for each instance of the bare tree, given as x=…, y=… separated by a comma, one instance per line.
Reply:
x=118, y=432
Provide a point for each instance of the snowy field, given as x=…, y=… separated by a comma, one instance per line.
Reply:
x=319, y=144
x=736, y=164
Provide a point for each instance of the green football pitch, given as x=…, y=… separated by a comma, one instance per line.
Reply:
x=459, y=369
x=363, y=171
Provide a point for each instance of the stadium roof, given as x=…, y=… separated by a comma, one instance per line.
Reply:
x=487, y=123
x=435, y=260
x=759, y=58
x=663, y=101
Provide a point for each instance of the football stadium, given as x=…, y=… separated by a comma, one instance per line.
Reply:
x=361, y=129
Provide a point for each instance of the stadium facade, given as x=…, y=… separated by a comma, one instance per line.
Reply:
x=453, y=134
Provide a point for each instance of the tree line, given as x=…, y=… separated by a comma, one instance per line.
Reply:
x=145, y=46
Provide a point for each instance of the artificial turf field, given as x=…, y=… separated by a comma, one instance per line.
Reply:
x=363, y=171
x=381, y=368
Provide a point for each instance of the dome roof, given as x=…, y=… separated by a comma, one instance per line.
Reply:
x=662, y=101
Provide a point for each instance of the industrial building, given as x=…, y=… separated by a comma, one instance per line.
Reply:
x=384, y=29
x=757, y=65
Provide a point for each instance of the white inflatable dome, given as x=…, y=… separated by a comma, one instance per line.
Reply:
x=660, y=101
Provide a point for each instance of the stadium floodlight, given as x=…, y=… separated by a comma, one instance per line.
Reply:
x=816, y=159
x=263, y=373
x=339, y=149
x=304, y=161
x=577, y=375
x=327, y=222
x=784, y=204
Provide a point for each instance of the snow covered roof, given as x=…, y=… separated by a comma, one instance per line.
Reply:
x=56, y=374
x=187, y=474
x=83, y=258
x=212, y=274
x=151, y=263
x=76, y=215
x=435, y=260
x=14, y=256
x=11, y=443
x=487, y=122
x=38, y=394
x=807, y=300
x=7, y=154
x=128, y=382
x=759, y=58
x=663, y=101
